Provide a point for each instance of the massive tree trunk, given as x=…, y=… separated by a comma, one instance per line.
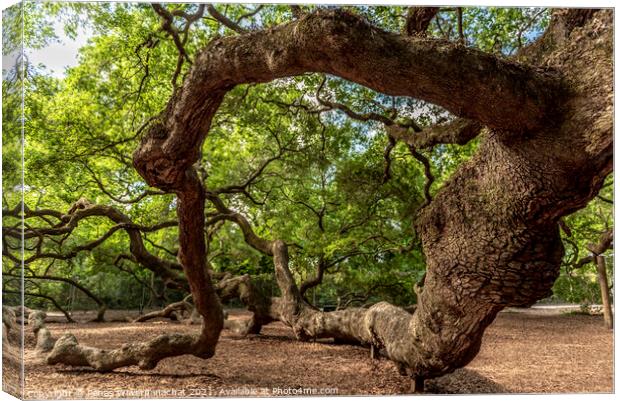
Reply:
x=490, y=235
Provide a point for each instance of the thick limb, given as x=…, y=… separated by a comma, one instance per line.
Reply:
x=490, y=235
x=146, y=355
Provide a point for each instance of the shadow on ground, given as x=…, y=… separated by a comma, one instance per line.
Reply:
x=464, y=381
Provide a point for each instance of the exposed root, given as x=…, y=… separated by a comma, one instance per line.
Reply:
x=45, y=342
x=21, y=313
x=66, y=350
x=9, y=321
x=145, y=355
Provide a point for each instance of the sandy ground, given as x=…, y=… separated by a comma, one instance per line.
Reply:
x=522, y=353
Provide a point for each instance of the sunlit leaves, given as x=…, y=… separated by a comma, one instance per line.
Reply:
x=321, y=186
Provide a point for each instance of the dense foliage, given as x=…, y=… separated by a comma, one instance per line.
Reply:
x=298, y=170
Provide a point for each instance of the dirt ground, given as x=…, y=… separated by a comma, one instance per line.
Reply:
x=521, y=352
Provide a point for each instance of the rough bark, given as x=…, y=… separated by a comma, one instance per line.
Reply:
x=146, y=355
x=9, y=321
x=490, y=235
x=418, y=20
x=44, y=340
x=459, y=132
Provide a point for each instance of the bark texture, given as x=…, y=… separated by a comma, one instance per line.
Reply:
x=9, y=321
x=44, y=340
x=418, y=20
x=490, y=235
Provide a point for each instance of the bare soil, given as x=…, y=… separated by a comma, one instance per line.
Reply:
x=521, y=352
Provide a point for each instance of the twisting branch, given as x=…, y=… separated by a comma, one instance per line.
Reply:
x=525, y=96
x=427, y=173
x=174, y=311
x=527, y=26
x=316, y=280
x=82, y=209
x=173, y=252
x=179, y=37
x=387, y=174
x=115, y=198
x=418, y=19
x=243, y=187
x=459, y=131
x=605, y=243
x=224, y=20
x=118, y=263
x=251, y=13
x=102, y=306
x=365, y=117
x=149, y=43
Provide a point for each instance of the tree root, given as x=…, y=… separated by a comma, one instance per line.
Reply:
x=45, y=342
x=9, y=321
x=66, y=350
x=145, y=355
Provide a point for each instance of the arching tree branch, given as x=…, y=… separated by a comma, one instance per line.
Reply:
x=462, y=80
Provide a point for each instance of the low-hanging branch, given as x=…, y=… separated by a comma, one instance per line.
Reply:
x=479, y=260
x=82, y=209
x=326, y=41
x=32, y=276
x=47, y=297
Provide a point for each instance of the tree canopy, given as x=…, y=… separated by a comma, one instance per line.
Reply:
x=333, y=157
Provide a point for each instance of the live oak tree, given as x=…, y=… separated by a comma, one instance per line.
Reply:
x=490, y=235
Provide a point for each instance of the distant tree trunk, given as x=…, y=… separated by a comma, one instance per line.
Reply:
x=602, y=281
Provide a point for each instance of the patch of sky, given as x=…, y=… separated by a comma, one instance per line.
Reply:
x=61, y=53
